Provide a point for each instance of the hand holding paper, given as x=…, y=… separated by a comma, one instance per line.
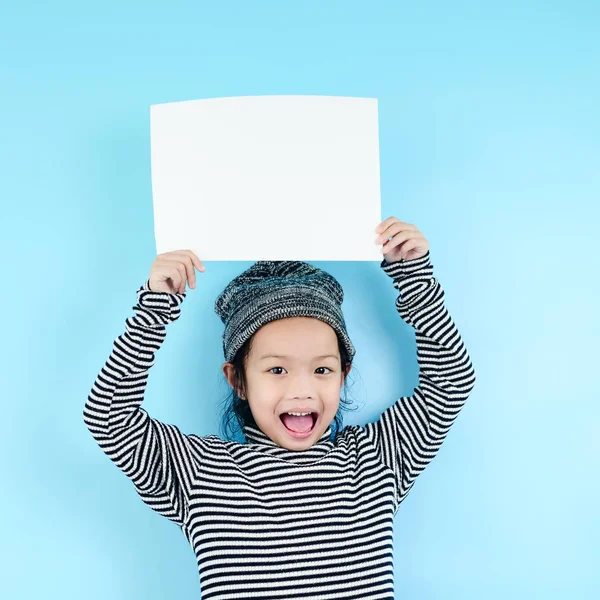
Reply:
x=172, y=270
x=401, y=241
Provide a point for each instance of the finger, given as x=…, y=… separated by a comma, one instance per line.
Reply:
x=181, y=277
x=394, y=230
x=190, y=273
x=409, y=245
x=185, y=260
x=398, y=227
x=196, y=261
x=175, y=254
x=394, y=226
x=384, y=224
x=401, y=238
x=171, y=272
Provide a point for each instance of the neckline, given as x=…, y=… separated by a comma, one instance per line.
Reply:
x=258, y=440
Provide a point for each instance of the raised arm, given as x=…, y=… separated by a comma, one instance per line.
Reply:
x=409, y=433
x=155, y=456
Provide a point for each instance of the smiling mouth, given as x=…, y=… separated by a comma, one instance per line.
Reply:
x=314, y=416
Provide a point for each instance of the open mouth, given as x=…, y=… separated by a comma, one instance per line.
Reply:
x=299, y=426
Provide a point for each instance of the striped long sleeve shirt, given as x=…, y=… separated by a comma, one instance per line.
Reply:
x=265, y=521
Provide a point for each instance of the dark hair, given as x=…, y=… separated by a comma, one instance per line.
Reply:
x=236, y=412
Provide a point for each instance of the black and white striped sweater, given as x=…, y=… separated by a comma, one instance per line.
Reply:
x=267, y=522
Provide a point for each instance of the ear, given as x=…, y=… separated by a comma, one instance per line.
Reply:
x=348, y=367
x=228, y=372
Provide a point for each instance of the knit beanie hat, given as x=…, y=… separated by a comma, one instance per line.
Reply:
x=271, y=290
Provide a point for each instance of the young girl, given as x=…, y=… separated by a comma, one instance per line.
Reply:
x=297, y=512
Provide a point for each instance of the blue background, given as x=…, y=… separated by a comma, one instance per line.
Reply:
x=490, y=144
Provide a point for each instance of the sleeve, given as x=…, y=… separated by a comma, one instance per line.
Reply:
x=156, y=457
x=408, y=435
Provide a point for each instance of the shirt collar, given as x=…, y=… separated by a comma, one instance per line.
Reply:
x=258, y=440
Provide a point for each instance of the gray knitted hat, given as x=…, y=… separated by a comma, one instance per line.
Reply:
x=271, y=290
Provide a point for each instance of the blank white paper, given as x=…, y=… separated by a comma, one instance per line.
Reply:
x=267, y=177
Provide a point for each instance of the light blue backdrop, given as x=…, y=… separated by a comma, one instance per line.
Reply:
x=489, y=131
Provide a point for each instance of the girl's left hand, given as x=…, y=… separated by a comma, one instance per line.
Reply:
x=407, y=241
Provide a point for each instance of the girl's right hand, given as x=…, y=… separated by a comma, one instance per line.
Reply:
x=171, y=270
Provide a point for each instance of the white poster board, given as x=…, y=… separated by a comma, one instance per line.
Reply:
x=267, y=177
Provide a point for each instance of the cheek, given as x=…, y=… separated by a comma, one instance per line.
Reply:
x=333, y=403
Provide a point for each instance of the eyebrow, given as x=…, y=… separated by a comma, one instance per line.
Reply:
x=284, y=356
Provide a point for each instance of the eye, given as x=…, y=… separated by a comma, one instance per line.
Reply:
x=317, y=370
x=325, y=368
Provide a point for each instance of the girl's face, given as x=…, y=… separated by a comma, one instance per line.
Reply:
x=305, y=375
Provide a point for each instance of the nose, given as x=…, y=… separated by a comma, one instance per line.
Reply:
x=301, y=387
